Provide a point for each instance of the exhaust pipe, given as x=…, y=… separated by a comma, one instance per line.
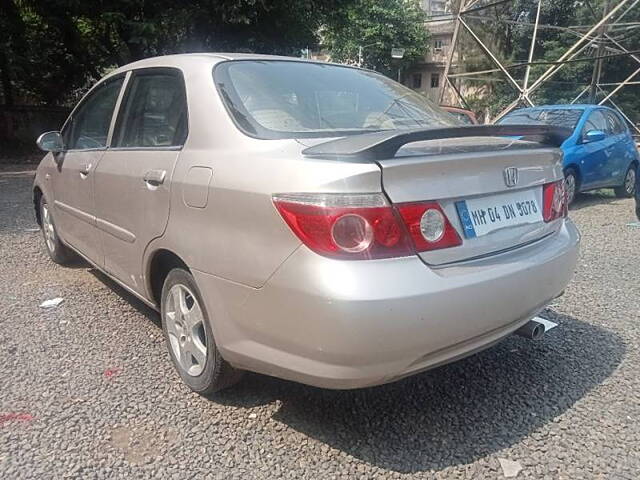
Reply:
x=532, y=330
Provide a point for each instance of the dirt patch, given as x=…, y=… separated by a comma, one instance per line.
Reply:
x=141, y=444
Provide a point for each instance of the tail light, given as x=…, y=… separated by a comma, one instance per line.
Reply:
x=554, y=199
x=364, y=226
x=428, y=226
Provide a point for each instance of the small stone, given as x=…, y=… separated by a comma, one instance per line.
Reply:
x=510, y=469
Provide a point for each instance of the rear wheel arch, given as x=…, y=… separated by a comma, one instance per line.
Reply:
x=161, y=262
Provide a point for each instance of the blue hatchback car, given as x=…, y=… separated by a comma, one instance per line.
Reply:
x=601, y=152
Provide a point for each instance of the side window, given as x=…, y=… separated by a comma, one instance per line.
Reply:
x=596, y=121
x=616, y=127
x=89, y=125
x=435, y=80
x=154, y=112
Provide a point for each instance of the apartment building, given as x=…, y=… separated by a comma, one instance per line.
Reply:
x=427, y=76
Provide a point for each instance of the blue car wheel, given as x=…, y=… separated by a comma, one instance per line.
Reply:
x=572, y=184
x=628, y=188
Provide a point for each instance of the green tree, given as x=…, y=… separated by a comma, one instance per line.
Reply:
x=377, y=26
x=51, y=50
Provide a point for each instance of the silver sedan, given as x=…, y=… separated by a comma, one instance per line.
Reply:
x=310, y=221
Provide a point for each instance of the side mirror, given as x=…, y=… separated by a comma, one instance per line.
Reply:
x=594, y=136
x=51, y=142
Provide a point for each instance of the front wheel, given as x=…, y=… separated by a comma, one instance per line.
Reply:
x=57, y=250
x=189, y=338
x=628, y=188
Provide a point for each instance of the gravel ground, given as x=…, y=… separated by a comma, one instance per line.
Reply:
x=88, y=391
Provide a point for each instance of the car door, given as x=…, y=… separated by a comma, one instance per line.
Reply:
x=85, y=137
x=595, y=161
x=133, y=179
x=621, y=147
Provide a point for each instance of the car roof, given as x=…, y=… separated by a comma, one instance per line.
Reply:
x=578, y=106
x=564, y=106
x=183, y=60
x=583, y=107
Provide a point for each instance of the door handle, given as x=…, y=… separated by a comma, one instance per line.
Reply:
x=85, y=169
x=155, y=177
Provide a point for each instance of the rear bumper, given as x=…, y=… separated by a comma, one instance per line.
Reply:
x=338, y=324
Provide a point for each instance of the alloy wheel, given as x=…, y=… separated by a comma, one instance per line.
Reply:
x=630, y=181
x=48, y=228
x=185, y=327
x=570, y=185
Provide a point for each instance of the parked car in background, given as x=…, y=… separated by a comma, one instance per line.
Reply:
x=601, y=152
x=315, y=222
x=467, y=117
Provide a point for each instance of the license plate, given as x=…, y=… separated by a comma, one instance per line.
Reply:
x=483, y=215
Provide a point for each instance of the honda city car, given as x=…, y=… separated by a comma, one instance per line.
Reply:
x=305, y=220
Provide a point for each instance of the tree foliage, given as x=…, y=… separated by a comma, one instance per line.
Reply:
x=51, y=48
x=377, y=26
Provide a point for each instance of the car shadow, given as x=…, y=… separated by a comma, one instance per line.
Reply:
x=141, y=307
x=454, y=414
x=595, y=197
x=451, y=415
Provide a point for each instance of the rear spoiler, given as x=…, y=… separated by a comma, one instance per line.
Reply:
x=385, y=144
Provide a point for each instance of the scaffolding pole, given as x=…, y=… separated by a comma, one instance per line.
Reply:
x=608, y=21
x=447, y=68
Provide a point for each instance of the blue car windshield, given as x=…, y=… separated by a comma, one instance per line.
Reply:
x=292, y=99
x=560, y=117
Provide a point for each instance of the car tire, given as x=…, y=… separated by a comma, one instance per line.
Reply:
x=628, y=188
x=189, y=338
x=58, y=251
x=572, y=184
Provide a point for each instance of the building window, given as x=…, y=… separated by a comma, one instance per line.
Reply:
x=438, y=8
x=438, y=44
x=416, y=80
x=435, y=80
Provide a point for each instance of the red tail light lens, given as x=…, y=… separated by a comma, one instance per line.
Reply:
x=554, y=198
x=365, y=226
x=428, y=226
x=357, y=227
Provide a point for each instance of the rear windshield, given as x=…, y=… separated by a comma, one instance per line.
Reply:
x=555, y=117
x=288, y=99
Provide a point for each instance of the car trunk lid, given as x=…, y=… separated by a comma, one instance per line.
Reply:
x=471, y=177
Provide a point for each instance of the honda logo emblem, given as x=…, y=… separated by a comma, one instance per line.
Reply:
x=511, y=176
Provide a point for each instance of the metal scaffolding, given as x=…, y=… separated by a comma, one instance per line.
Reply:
x=590, y=36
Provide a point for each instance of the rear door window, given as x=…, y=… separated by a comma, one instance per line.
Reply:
x=154, y=111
